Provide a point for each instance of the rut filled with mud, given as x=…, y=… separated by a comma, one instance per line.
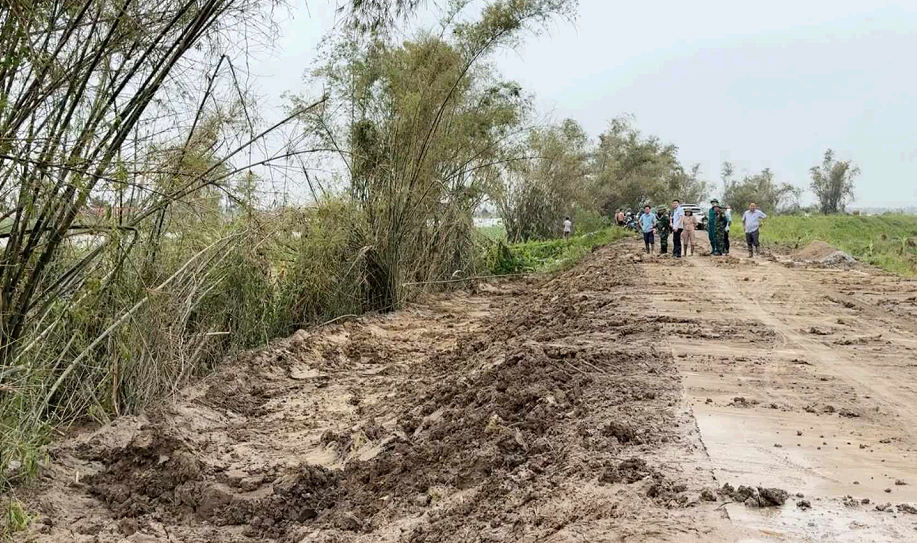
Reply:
x=530, y=411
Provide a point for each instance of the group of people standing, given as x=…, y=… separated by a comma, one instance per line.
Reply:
x=682, y=225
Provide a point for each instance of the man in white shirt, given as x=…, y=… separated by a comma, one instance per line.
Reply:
x=752, y=221
x=568, y=227
x=678, y=215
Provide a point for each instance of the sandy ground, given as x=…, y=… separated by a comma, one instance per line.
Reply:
x=612, y=402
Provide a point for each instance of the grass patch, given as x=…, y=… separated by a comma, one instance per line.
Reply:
x=16, y=518
x=884, y=241
x=551, y=255
x=494, y=233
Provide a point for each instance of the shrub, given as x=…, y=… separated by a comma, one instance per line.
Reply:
x=553, y=255
x=322, y=266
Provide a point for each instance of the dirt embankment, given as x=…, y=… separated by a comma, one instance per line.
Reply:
x=814, y=251
x=547, y=409
x=819, y=252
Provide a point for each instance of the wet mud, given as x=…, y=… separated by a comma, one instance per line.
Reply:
x=630, y=398
x=537, y=410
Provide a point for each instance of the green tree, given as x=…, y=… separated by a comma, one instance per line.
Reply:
x=759, y=188
x=689, y=187
x=549, y=182
x=373, y=15
x=422, y=128
x=833, y=183
x=79, y=82
x=727, y=173
x=630, y=170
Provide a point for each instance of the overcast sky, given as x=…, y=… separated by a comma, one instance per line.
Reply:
x=771, y=84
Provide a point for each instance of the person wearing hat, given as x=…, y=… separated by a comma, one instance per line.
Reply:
x=663, y=228
x=719, y=231
x=711, y=225
x=687, y=236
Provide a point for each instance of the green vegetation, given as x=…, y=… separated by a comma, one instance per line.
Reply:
x=494, y=233
x=133, y=334
x=885, y=241
x=630, y=169
x=16, y=518
x=557, y=171
x=144, y=240
x=832, y=183
x=424, y=127
x=759, y=188
x=551, y=255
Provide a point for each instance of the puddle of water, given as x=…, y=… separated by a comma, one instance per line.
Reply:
x=740, y=444
x=824, y=522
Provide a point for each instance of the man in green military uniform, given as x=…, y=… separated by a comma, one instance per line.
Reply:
x=711, y=225
x=721, y=223
x=664, y=228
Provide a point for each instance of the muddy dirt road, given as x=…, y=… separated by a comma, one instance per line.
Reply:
x=611, y=402
x=803, y=378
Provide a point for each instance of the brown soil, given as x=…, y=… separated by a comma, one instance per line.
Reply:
x=607, y=403
x=815, y=251
x=801, y=379
x=532, y=410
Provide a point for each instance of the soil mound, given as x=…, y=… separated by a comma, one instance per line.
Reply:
x=816, y=250
x=822, y=253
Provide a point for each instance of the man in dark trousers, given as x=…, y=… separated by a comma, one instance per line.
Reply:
x=719, y=231
x=663, y=229
x=648, y=227
x=677, y=220
x=752, y=220
x=711, y=225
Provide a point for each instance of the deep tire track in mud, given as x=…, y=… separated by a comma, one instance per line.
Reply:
x=548, y=410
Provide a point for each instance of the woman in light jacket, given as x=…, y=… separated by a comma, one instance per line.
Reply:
x=689, y=223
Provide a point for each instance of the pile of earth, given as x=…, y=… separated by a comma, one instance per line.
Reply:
x=538, y=419
x=821, y=253
x=511, y=416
